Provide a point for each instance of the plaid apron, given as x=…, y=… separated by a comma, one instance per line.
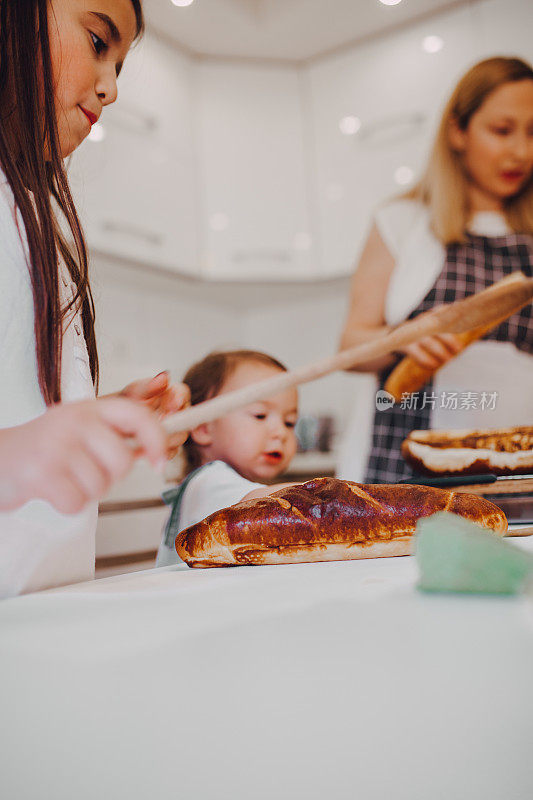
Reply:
x=468, y=268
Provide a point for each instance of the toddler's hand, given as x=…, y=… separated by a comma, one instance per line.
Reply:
x=74, y=452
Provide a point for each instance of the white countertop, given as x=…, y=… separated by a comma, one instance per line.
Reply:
x=336, y=680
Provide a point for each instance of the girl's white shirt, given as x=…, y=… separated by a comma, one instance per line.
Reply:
x=39, y=547
x=485, y=366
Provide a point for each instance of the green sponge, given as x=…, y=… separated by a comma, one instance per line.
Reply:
x=455, y=555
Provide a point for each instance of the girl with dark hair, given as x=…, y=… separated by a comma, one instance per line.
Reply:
x=59, y=61
x=230, y=459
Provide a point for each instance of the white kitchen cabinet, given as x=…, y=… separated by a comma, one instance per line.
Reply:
x=238, y=170
x=136, y=189
x=397, y=91
x=504, y=28
x=254, y=212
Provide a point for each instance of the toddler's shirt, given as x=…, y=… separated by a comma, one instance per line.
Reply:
x=208, y=489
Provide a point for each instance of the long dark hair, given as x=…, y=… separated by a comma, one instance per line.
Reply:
x=205, y=380
x=38, y=182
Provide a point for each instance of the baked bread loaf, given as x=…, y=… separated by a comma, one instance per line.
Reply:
x=325, y=520
x=504, y=451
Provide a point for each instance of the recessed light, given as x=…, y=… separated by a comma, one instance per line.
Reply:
x=404, y=175
x=349, y=125
x=218, y=221
x=97, y=133
x=182, y=3
x=390, y=2
x=302, y=242
x=334, y=192
x=432, y=44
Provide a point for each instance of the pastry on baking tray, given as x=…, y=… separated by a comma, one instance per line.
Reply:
x=503, y=451
x=325, y=520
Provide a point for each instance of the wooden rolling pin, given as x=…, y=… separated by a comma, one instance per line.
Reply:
x=497, y=302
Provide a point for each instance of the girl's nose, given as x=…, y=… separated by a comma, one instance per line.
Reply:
x=521, y=146
x=106, y=85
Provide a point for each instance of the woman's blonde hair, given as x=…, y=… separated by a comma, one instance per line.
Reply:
x=443, y=186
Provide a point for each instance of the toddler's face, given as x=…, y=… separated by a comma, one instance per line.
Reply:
x=89, y=40
x=258, y=441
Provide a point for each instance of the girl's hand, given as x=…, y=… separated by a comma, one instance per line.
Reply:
x=74, y=452
x=164, y=398
x=432, y=352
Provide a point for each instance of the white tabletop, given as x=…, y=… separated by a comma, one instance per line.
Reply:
x=334, y=680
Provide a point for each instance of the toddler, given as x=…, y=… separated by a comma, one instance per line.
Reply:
x=232, y=458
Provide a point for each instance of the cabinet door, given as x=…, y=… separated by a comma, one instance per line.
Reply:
x=504, y=27
x=397, y=91
x=136, y=188
x=254, y=216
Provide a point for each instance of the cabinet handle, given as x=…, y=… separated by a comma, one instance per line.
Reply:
x=134, y=232
x=394, y=127
x=242, y=256
x=133, y=120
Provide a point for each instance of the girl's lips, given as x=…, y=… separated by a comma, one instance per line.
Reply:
x=512, y=175
x=90, y=116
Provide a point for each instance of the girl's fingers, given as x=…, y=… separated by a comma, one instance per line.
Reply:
x=111, y=451
x=133, y=419
x=176, y=397
x=147, y=388
x=174, y=442
x=90, y=475
x=64, y=492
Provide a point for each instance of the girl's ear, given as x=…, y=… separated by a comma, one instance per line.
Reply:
x=202, y=435
x=456, y=136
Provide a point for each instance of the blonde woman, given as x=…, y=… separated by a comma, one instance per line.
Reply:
x=466, y=224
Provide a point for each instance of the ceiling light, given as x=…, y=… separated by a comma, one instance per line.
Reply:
x=385, y=2
x=432, y=44
x=404, y=175
x=349, y=125
x=182, y=3
x=334, y=192
x=218, y=221
x=302, y=242
x=97, y=133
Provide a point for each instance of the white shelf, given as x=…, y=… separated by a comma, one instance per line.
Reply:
x=313, y=463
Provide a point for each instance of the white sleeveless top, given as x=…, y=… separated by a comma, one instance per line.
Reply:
x=483, y=366
x=39, y=547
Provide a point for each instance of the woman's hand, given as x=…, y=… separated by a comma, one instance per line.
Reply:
x=74, y=452
x=432, y=352
x=163, y=398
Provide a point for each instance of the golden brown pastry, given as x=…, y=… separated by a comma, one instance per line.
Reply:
x=325, y=520
x=502, y=451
